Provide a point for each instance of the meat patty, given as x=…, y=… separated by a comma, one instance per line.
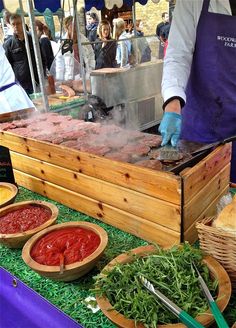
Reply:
x=117, y=156
x=151, y=140
x=96, y=150
x=150, y=163
x=7, y=126
x=135, y=149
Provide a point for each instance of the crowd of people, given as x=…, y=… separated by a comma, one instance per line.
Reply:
x=104, y=45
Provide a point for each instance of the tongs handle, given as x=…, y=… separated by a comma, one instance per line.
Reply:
x=189, y=321
x=220, y=320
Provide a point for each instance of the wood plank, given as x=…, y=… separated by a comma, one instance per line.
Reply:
x=120, y=219
x=197, y=177
x=163, y=185
x=205, y=197
x=16, y=115
x=191, y=233
x=150, y=208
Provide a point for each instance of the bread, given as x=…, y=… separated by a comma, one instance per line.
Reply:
x=226, y=220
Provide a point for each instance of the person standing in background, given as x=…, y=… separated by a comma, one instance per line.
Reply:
x=199, y=76
x=12, y=95
x=165, y=26
x=17, y=56
x=45, y=43
x=66, y=66
x=105, y=48
x=8, y=32
x=142, y=44
x=123, y=47
x=92, y=26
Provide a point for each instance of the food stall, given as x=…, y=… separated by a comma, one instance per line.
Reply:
x=134, y=204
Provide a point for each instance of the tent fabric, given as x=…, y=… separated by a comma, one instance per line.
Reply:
x=100, y=4
x=54, y=5
x=41, y=5
x=1, y=5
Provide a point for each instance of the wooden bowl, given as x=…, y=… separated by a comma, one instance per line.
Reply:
x=70, y=271
x=217, y=271
x=17, y=240
x=11, y=190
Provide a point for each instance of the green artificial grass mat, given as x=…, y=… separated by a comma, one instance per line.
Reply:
x=70, y=296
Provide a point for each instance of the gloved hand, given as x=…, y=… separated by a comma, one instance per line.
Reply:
x=170, y=128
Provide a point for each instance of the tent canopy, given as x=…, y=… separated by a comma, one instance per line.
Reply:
x=109, y=4
x=54, y=5
x=40, y=5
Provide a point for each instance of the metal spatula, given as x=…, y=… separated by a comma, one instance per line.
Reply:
x=169, y=153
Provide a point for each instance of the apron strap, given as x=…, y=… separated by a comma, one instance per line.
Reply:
x=206, y=4
x=7, y=86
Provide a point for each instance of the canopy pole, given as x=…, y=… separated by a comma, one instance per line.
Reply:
x=37, y=55
x=81, y=57
x=134, y=17
x=61, y=22
x=27, y=46
x=135, y=31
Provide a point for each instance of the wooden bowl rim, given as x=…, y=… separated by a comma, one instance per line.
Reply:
x=206, y=318
x=76, y=265
x=14, y=191
x=54, y=213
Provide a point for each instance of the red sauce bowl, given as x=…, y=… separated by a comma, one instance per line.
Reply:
x=65, y=272
x=18, y=239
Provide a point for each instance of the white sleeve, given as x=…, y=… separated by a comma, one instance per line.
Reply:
x=181, y=44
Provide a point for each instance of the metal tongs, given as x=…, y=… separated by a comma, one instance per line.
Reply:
x=212, y=304
x=181, y=314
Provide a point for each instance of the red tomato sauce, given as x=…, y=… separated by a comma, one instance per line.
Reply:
x=23, y=219
x=65, y=246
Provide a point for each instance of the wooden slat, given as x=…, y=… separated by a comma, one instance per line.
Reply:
x=191, y=233
x=150, y=208
x=206, y=196
x=16, y=115
x=197, y=177
x=127, y=222
x=165, y=186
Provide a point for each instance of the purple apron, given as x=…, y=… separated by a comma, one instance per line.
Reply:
x=210, y=111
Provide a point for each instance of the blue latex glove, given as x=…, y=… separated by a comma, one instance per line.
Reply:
x=170, y=128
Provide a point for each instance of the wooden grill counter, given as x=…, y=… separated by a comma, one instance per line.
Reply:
x=154, y=205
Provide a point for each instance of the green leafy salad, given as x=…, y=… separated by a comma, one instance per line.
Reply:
x=170, y=271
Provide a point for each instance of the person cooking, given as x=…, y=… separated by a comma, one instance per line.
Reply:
x=199, y=74
x=12, y=96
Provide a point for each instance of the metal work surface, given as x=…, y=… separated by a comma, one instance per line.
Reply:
x=121, y=85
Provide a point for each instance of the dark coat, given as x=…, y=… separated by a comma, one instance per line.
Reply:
x=106, y=56
x=47, y=51
x=92, y=32
x=17, y=56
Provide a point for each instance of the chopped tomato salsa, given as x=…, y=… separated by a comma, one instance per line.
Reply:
x=65, y=246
